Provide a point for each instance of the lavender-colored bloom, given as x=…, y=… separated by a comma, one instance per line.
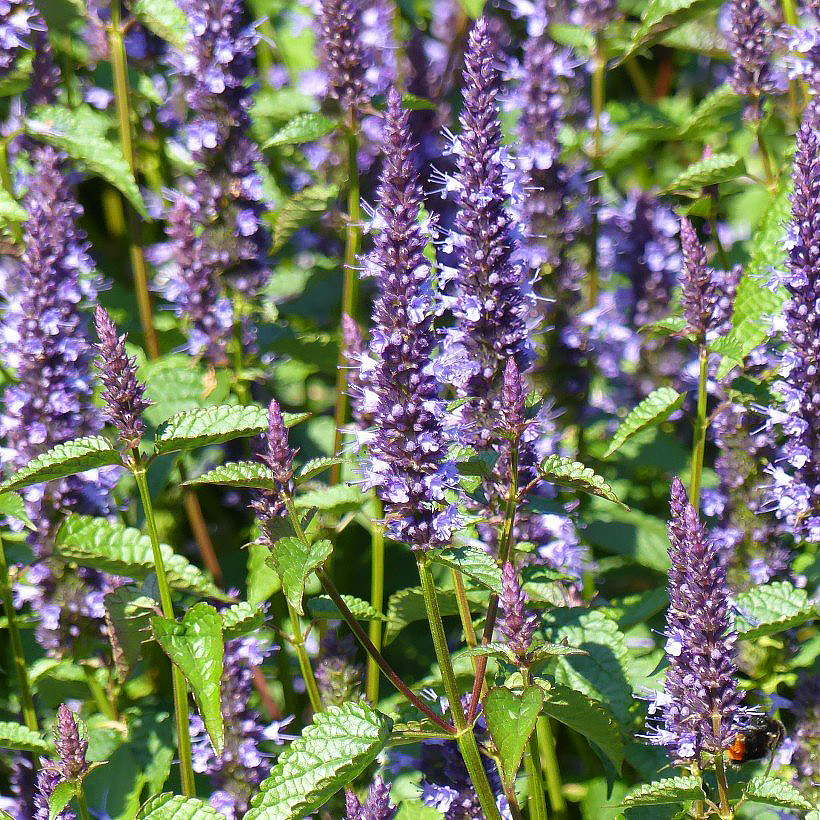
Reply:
x=513, y=398
x=597, y=14
x=700, y=708
x=806, y=736
x=701, y=288
x=517, y=624
x=405, y=459
x=806, y=41
x=377, y=806
x=15, y=32
x=750, y=42
x=354, y=350
x=242, y=766
x=123, y=393
x=71, y=748
x=45, y=76
x=48, y=778
x=493, y=304
x=795, y=493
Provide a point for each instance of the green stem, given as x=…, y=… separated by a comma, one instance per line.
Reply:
x=26, y=699
x=765, y=158
x=8, y=185
x=466, y=739
x=535, y=788
x=98, y=693
x=351, y=284
x=720, y=773
x=82, y=805
x=177, y=678
x=549, y=761
x=121, y=97
x=699, y=442
x=464, y=613
x=639, y=80
x=311, y=686
x=376, y=598
x=598, y=76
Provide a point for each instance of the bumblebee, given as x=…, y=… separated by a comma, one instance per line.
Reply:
x=757, y=740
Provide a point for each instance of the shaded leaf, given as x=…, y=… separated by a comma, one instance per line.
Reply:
x=511, y=718
x=10, y=209
x=331, y=498
x=407, y=605
x=659, y=17
x=195, y=645
x=718, y=104
x=473, y=562
x=302, y=128
x=296, y=211
x=323, y=607
x=668, y=790
x=294, y=561
x=770, y=608
x=166, y=19
x=654, y=409
x=568, y=473
x=251, y=474
x=710, y=171
x=21, y=739
x=263, y=580
x=240, y=619
x=13, y=506
x=315, y=466
x=414, y=810
x=127, y=613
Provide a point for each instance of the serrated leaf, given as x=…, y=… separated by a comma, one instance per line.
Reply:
x=342, y=741
x=127, y=613
x=13, y=506
x=659, y=17
x=552, y=650
x=10, y=209
x=63, y=460
x=166, y=19
x=294, y=561
x=654, y=409
x=331, y=498
x=302, y=128
x=407, y=605
x=494, y=649
x=710, y=171
x=715, y=106
x=323, y=607
x=671, y=325
x=214, y=425
x=511, y=718
x=176, y=807
x=770, y=608
x=196, y=647
x=112, y=547
x=776, y=792
x=21, y=738
x=240, y=619
x=66, y=130
x=263, y=580
x=315, y=466
x=251, y=474
x=473, y=562
x=602, y=672
x=568, y=473
x=294, y=212
x=588, y=717
x=412, y=102
x=668, y=790
x=61, y=796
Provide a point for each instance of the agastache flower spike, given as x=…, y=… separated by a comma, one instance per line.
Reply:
x=48, y=778
x=377, y=806
x=406, y=457
x=700, y=292
x=513, y=398
x=124, y=394
x=517, y=624
x=700, y=708
x=493, y=304
x=15, y=32
x=597, y=14
x=71, y=748
x=750, y=42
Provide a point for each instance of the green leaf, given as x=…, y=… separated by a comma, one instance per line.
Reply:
x=413, y=810
x=588, y=717
x=776, y=792
x=568, y=473
x=263, y=580
x=152, y=745
x=473, y=562
x=493, y=649
x=323, y=607
x=63, y=460
x=668, y=790
x=250, y=474
x=19, y=79
x=407, y=605
x=631, y=533
x=127, y=613
x=13, y=506
x=710, y=171
x=331, y=498
x=10, y=210
x=112, y=547
x=281, y=103
x=602, y=672
x=196, y=647
x=295, y=212
x=755, y=301
x=654, y=409
x=302, y=128
x=166, y=19
x=715, y=106
x=543, y=651
x=176, y=807
x=659, y=17
x=61, y=796
x=511, y=718
x=315, y=466
x=68, y=131
x=214, y=425
x=412, y=102
x=240, y=619
x=342, y=741
x=770, y=608
x=294, y=561
x=21, y=739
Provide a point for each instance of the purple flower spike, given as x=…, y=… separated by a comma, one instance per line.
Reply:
x=71, y=748
x=15, y=32
x=354, y=348
x=750, y=42
x=597, y=14
x=376, y=807
x=48, y=778
x=518, y=623
x=700, y=708
x=124, y=394
x=700, y=286
x=406, y=456
x=493, y=304
x=513, y=397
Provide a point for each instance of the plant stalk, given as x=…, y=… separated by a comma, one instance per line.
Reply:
x=82, y=806
x=465, y=615
x=26, y=699
x=374, y=629
x=549, y=763
x=178, y=679
x=699, y=442
x=535, y=788
x=139, y=270
x=351, y=283
x=466, y=739
x=598, y=77
x=311, y=686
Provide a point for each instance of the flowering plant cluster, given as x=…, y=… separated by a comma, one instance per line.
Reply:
x=409, y=410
